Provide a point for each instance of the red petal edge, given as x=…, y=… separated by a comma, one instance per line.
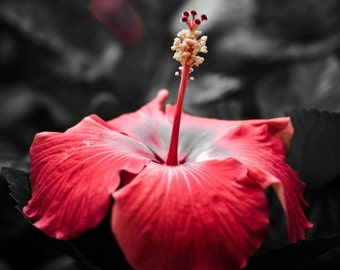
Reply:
x=257, y=145
x=289, y=190
x=207, y=215
x=74, y=173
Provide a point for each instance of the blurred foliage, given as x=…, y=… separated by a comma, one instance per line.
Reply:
x=62, y=60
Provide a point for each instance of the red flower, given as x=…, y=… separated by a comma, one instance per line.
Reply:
x=209, y=212
x=194, y=203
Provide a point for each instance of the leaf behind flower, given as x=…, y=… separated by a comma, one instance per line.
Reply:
x=19, y=184
x=315, y=151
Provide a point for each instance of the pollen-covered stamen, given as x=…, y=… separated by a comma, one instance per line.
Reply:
x=187, y=45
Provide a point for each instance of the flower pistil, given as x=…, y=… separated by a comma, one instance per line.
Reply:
x=187, y=45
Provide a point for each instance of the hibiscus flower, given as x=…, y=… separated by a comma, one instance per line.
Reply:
x=179, y=200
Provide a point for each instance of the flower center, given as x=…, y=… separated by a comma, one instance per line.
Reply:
x=187, y=45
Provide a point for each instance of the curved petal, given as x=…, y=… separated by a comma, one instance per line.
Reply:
x=281, y=128
x=74, y=173
x=208, y=215
x=149, y=125
x=263, y=154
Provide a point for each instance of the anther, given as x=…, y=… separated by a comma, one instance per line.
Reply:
x=185, y=19
x=204, y=17
x=185, y=14
x=193, y=12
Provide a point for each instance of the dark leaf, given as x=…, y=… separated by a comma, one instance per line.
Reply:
x=324, y=209
x=19, y=184
x=315, y=150
x=99, y=248
x=322, y=253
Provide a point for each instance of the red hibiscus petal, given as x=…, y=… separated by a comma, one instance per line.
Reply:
x=263, y=154
x=208, y=215
x=149, y=125
x=280, y=127
x=120, y=17
x=74, y=173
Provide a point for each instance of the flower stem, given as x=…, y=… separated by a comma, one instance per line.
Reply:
x=172, y=159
